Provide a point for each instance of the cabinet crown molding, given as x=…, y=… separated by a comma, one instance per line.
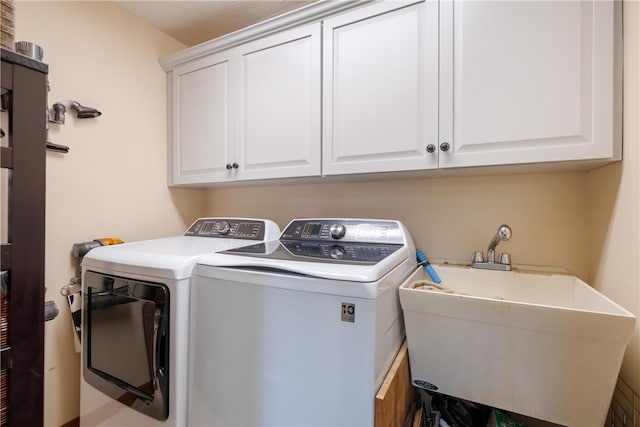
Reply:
x=310, y=13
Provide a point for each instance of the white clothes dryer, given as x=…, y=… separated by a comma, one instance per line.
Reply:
x=136, y=322
x=300, y=331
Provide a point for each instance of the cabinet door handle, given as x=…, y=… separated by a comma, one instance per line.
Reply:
x=228, y=166
x=235, y=165
x=445, y=146
x=431, y=148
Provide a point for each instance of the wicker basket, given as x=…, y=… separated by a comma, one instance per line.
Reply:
x=7, y=24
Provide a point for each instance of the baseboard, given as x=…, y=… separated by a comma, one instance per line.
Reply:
x=73, y=423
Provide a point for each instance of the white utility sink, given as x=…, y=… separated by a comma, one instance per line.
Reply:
x=544, y=345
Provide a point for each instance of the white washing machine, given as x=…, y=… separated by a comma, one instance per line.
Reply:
x=299, y=331
x=136, y=322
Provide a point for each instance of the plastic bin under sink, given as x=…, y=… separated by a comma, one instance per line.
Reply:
x=548, y=346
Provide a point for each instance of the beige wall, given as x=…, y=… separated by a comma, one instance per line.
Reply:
x=614, y=205
x=449, y=218
x=113, y=181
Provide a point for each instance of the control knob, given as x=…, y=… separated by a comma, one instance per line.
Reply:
x=337, y=252
x=223, y=227
x=337, y=231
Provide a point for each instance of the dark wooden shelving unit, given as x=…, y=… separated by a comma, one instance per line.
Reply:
x=23, y=153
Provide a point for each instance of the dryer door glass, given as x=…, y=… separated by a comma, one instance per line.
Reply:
x=126, y=343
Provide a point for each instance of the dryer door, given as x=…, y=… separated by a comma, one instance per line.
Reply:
x=126, y=341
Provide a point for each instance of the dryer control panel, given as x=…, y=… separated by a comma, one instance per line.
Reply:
x=344, y=230
x=227, y=228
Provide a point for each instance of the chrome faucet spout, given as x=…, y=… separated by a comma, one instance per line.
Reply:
x=503, y=234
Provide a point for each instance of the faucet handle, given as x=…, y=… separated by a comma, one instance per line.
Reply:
x=478, y=256
x=505, y=258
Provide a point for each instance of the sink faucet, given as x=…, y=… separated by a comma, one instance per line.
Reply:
x=504, y=264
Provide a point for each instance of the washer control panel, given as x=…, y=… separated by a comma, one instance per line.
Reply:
x=355, y=252
x=227, y=228
x=344, y=230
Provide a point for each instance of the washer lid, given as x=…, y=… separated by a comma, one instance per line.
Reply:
x=321, y=252
x=275, y=256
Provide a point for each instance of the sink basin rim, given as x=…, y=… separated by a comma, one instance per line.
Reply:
x=606, y=325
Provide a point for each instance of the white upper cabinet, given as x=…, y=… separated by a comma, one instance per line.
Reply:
x=351, y=88
x=201, y=110
x=249, y=112
x=279, y=120
x=526, y=82
x=380, y=89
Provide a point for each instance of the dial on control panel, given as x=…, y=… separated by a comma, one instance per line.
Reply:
x=337, y=231
x=337, y=252
x=223, y=228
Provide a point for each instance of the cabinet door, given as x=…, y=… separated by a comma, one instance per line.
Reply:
x=527, y=81
x=202, y=122
x=279, y=105
x=380, y=89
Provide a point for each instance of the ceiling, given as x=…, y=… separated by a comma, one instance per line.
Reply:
x=194, y=22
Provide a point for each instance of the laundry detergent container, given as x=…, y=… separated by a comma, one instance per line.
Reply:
x=547, y=346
